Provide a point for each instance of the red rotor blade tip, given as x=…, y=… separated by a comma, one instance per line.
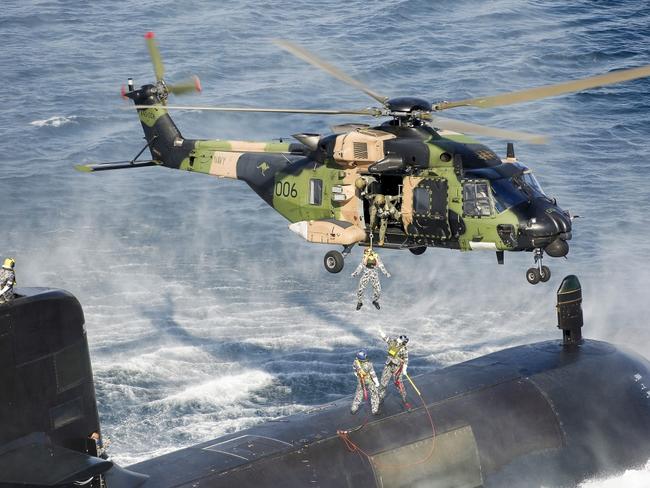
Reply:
x=149, y=35
x=197, y=84
x=123, y=91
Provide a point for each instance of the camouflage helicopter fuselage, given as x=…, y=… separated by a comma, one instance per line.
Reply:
x=455, y=192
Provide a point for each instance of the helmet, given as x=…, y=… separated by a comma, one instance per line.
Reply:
x=403, y=339
x=9, y=263
x=362, y=356
x=380, y=199
x=360, y=183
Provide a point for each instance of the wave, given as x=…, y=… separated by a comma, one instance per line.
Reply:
x=56, y=121
x=632, y=478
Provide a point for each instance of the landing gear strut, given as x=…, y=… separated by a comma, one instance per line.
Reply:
x=334, y=260
x=540, y=272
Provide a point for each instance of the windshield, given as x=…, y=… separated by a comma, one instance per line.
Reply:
x=509, y=192
x=530, y=179
x=506, y=194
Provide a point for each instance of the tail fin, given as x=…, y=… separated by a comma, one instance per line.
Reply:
x=163, y=137
x=164, y=140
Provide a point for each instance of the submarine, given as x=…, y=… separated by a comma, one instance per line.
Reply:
x=550, y=413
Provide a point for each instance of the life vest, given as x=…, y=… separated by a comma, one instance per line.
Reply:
x=370, y=259
x=393, y=350
x=359, y=369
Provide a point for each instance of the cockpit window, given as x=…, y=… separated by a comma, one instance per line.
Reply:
x=476, y=199
x=530, y=179
x=509, y=192
x=506, y=194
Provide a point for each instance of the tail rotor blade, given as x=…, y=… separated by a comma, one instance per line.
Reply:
x=158, y=67
x=187, y=86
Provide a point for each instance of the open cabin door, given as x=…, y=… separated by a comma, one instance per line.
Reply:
x=424, y=207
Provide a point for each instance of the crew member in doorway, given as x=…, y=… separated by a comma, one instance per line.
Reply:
x=7, y=280
x=367, y=384
x=383, y=207
x=397, y=362
x=369, y=265
x=365, y=185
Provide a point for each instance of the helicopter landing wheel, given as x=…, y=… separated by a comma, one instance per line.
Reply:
x=418, y=250
x=534, y=276
x=544, y=274
x=334, y=261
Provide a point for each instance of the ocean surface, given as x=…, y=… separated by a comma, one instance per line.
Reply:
x=205, y=314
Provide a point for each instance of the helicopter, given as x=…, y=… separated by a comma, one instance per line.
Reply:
x=447, y=189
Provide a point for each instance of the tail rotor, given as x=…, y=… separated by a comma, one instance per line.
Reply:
x=161, y=89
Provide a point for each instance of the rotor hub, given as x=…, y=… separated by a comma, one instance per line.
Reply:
x=408, y=105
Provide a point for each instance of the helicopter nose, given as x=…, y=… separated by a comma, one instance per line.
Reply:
x=550, y=230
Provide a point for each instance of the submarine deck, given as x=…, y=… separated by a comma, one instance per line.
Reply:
x=497, y=412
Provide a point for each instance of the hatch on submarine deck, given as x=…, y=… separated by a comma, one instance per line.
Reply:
x=550, y=413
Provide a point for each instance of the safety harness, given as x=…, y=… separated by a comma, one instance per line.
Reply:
x=362, y=378
x=370, y=260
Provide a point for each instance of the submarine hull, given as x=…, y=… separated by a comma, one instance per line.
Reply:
x=551, y=413
x=530, y=415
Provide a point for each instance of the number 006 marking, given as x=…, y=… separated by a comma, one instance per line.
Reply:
x=286, y=189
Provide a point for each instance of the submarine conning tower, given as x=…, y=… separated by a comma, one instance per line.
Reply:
x=47, y=396
x=569, y=310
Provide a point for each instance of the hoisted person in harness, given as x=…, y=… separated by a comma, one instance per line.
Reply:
x=397, y=362
x=369, y=265
x=367, y=384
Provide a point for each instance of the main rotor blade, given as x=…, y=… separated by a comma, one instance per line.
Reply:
x=191, y=85
x=314, y=60
x=158, y=67
x=367, y=111
x=484, y=130
x=549, y=90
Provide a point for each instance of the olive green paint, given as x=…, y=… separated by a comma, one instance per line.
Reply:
x=298, y=208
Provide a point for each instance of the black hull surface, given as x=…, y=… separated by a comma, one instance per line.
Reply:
x=526, y=416
x=551, y=413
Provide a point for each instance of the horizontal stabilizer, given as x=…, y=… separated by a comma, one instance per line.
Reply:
x=88, y=168
x=36, y=462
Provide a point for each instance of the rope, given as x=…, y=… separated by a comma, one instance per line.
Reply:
x=344, y=435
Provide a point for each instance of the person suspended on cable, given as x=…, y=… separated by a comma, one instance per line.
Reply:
x=7, y=280
x=369, y=264
x=396, y=367
x=367, y=384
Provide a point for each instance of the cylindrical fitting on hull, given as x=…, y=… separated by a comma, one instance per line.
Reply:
x=569, y=310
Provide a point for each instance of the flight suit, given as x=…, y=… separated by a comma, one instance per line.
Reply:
x=7, y=279
x=396, y=365
x=367, y=385
x=369, y=265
